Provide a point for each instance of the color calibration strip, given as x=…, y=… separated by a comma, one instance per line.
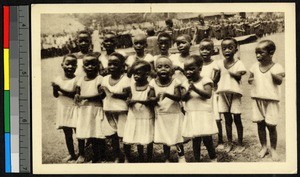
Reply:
x=6, y=28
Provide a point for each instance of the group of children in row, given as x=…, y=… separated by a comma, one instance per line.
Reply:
x=167, y=99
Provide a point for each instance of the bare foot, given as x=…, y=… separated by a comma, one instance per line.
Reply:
x=126, y=160
x=214, y=160
x=80, y=159
x=181, y=159
x=117, y=160
x=69, y=158
x=167, y=161
x=263, y=152
x=229, y=147
x=274, y=155
x=240, y=149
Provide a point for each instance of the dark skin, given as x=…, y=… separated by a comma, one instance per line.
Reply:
x=84, y=43
x=192, y=73
x=109, y=43
x=91, y=68
x=116, y=69
x=164, y=45
x=229, y=48
x=69, y=66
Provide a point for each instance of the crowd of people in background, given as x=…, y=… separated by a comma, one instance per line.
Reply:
x=53, y=45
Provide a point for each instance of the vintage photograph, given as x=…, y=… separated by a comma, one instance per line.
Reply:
x=160, y=85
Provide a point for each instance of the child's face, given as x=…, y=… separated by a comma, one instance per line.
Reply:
x=139, y=44
x=262, y=53
x=109, y=42
x=164, y=44
x=84, y=41
x=69, y=65
x=206, y=50
x=90, y=65
x=139, y=74
x=114, y=65
x=191, y=70
x=229, y=48
x=164, y=68
x=183, y=45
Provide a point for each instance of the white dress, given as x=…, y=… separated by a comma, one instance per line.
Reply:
x=177, y=60
x=66, y=110
x=199, y=120
x=168, y=116
x=116, y=107
x=91, y=122
x=209, y=71
x=139, y=127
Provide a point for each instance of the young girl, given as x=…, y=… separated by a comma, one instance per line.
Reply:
x=91, y=122
x=183, y=43
x=266, y=78
x=210, y=70
x=115, y=85
x=230, y=92
x=64, y=89
x=139, y=127
x=169, y=118
x=198, y=123
x=139, y=45
x=109, y=43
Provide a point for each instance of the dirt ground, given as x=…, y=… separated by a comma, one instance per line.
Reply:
x=53, y=143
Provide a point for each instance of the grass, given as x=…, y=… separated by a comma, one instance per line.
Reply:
x=53, y=143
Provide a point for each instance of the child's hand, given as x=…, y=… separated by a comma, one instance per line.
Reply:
x=105, y=89
x=130, y=103
x=191, y=87
x=55, y=86
x=250, y=80
x=178, y=68
x=161, y=96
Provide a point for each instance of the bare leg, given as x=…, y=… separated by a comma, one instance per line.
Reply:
x=196, y=148
x=180, y=151
x=228, y=126
x=220, y=135
x=273, y=141
x=149, y=152
x=262, y=135
x=81, y=144
x=239, y=128
x=141, y=152
x=167, y=150
x=127, y=149
x=116, y=147
x=70, y=144
x=208, y=142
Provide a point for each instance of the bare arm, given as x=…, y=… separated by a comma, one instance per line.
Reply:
x=206, y=93
x=175, y=97
x=122, y=96
x=251, y=78
x=237, y=76
x=185, y=94
x=277, y=78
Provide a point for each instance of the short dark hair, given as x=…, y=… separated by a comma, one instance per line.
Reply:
x=164, y=34
x=84, y=32
x=92, y=54
x=150, y=31
x=186, y=36
x=146, y=65
x=69, y=55
x=120, y=56
x=230, y=39
x=198, y=60
x=271, y=47
x=169, y=22
x=207, y=40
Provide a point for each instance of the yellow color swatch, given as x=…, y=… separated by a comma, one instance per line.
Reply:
x=6, y=69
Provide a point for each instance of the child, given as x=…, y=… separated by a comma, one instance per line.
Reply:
x=266, y=78
x=164, y=44
x=109, y=43
x=84, y=43
x=183, y=43
x=116, y=86
x=90, y=123
x=210, y=70
x=139, y=127
x=198, y=123
x=64, y=90
x=139, y=45
x=229, y=90
x=169, y=118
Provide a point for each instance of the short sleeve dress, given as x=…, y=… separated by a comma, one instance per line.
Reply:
x=66, y=110
x=199, y=120
x=168, y=116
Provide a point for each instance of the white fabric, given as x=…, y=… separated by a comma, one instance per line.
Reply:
x=267, y=110
x=132, y=58
x=263, y=85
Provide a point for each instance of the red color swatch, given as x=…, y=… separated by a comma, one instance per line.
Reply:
x=6, y=27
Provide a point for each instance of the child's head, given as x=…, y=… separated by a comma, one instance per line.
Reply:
x=164, y=67
x=192, y=67
x=139, y=43
x=91, y=64
x=206, y=49
x=150, y=31
x=140, y=70
x=229, y=47
x=169, y=23
x=265, y=50
x=84, y=41
x=164, y=42
x=183, y=43
x=69, y=65
x=116, y=63
x=109, y=41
